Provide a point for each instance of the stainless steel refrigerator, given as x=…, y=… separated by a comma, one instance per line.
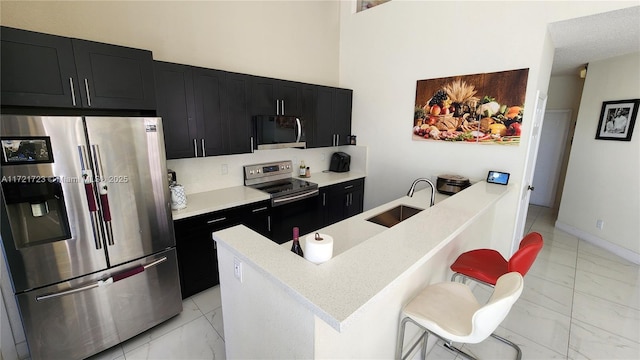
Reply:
x=87, y=230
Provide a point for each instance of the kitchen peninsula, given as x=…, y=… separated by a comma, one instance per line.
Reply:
x=278, y=305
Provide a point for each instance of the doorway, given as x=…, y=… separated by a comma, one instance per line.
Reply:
x=551, y=152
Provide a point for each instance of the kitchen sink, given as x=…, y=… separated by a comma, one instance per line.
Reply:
x=394, y=215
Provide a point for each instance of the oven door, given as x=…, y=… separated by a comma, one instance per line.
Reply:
x=304, y=213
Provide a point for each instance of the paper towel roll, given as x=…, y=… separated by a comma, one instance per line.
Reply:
x=318, y=251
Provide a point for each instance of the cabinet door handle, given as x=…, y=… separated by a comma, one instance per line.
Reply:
x=277, y=107
x=73, y=93
x=259, y=209
x=350, y=199
x=282, y=107
x=195, y=147
x=337, y=139
x=204, y=153
x=217, y=220
x=324, y=199
x=348, y=187
x=269, y=222
x=251, y=141
x=86, y=87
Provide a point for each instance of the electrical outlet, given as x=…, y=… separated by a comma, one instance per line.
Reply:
x=237, y=269
x=599, y=224
x=224, y=169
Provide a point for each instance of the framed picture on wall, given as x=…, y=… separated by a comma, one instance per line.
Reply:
x=617, y=119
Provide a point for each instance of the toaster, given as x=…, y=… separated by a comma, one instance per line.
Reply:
x=340, y=162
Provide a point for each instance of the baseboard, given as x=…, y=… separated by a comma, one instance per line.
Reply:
x=613, y=248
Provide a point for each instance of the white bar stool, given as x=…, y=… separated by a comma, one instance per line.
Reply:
x=450, y=311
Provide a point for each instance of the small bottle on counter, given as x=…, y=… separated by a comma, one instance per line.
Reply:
x=307, y=172
x=303, y=169
x=296, y=242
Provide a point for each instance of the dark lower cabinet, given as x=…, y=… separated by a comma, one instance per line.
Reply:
x=341, y=201
x=197, y=254
x=257, y=217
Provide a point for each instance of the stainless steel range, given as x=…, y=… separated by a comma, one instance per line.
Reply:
x=275, y=178
x=294, y=202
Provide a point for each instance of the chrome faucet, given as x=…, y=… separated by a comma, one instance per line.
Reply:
x=433, y=189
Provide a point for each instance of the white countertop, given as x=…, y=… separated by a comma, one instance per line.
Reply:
x=368, y=258
x=215, y=200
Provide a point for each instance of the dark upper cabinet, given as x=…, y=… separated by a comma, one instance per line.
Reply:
x=332, y=122
x=37, y=70
x=176, y=106
x=275, y=97
x=308, y=96
x=237, y=113
x=52, y=71
x=205, y=112
x=342, y=115
x=208, y=89
x=324, y=134
x=114, y=77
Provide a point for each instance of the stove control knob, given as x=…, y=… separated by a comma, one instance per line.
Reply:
x=258, y=171
x=250, y=172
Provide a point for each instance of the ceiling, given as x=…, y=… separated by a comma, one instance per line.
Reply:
x=591, y=38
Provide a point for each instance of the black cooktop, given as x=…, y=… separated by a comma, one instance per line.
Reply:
x=285, y=186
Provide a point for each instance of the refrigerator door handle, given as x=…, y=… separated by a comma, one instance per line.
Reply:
x=73, y=93
x=87, y=178
x=86, y=87
x=103, y=191
x=108, y=281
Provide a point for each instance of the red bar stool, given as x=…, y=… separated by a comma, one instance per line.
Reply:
x=487, y=265
x=451, y=312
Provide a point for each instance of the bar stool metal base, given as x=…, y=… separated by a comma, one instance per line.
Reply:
x=447, y=343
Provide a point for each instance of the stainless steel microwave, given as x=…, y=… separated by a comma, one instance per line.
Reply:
x=279, y=131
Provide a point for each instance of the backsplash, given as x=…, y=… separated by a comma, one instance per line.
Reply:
x=208, y=173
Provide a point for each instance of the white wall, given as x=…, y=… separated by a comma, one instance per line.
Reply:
x=294, y=40
x=603, y=176
x=385, y=50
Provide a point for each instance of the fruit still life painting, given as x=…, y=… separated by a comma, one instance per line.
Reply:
x=482, y=108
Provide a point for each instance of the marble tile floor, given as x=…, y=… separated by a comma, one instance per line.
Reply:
x=579, y=302
x=196, y=333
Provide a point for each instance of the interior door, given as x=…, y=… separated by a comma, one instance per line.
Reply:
x=128, y=155
x=530, y=163
x=551, y=151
